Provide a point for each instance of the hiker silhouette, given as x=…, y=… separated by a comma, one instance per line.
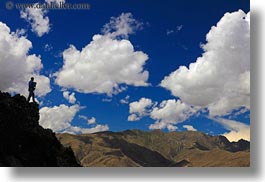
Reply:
x=32, y=87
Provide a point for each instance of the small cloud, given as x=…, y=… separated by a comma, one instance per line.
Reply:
x=107, y=100
x=91, y=121
x=122, y=26
x=241, y=111
x=169, y=32
x=58, y=54
x=179, y=27
x=139, y=109
x=37, y=19
x=78, y=130
x=21, y=32
x=176, y=30
x=189, y=128
x=133, y=117
x=70, y=97
x=47, y=47
x=183, y=47
x=82, y=117
x=171, y=127
x=125, y=100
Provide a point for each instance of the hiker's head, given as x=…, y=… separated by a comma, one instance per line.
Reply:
x=32, y=78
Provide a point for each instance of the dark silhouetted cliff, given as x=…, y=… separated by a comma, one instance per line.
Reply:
x=23, y=141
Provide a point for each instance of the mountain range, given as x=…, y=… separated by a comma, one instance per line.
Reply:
x=25, y=143
x=156, y=148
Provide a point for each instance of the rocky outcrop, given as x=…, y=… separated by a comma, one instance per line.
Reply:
x=24, y=142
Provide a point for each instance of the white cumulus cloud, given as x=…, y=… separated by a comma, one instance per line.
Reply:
x=220, y=79
x=105, y=65
x=138, y=109
x=69, y=96
x=170, y=113
x=166, y=115
x=38, y=20
x=17, y=66
x=59, y=119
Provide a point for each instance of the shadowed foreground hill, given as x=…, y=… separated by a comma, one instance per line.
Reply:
x=156, y=148
x=23, y=141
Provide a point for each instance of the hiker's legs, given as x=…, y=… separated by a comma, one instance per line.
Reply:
x=31, y=94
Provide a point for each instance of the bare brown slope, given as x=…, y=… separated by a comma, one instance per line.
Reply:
x=215, y=158
x=94, y=151
x=156, y=148
x=104, y=149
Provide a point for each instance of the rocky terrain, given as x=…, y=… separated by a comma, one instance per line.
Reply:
x=24, y=142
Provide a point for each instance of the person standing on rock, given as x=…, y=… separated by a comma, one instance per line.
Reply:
x=32, y=87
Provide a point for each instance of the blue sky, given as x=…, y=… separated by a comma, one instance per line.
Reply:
x=170, y=33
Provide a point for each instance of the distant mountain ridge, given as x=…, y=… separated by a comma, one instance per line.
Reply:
x=132, y=148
